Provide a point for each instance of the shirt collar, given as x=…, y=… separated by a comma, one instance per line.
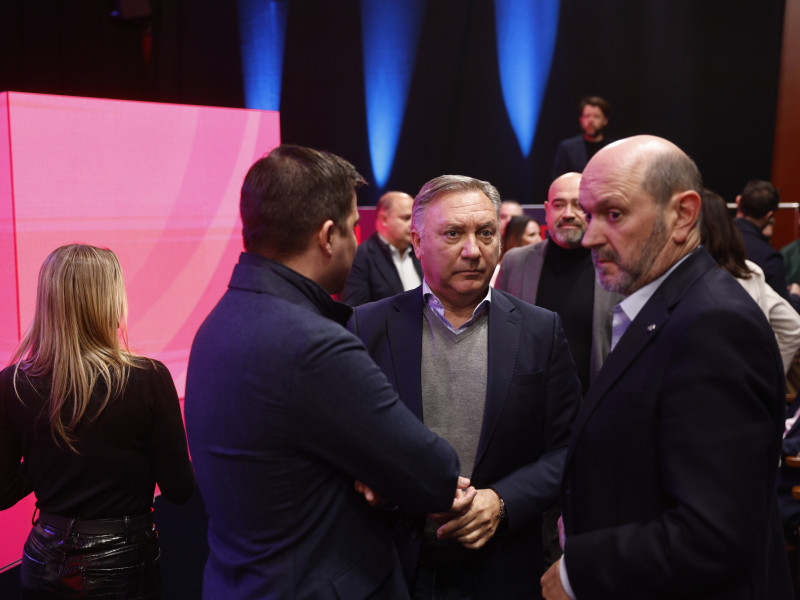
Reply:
x=437, y=307
x=634, y=303
x=392, y=249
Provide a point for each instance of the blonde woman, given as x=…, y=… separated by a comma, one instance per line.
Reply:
x=90, y=428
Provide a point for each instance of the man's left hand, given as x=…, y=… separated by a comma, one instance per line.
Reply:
x=477, y=525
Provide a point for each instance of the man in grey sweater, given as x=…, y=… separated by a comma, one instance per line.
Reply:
x=490, y=373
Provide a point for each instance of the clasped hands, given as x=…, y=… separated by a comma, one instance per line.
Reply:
x=471, y=520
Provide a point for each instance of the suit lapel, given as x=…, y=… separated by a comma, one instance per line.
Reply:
x=504, y=335
x=532, y=271
x=641, y=332
x=383, y=258
x=404, y=329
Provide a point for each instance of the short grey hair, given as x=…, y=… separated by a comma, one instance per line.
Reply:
x=448, y=184
x=671, y=172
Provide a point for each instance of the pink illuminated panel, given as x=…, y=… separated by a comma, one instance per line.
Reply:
x=156, y=183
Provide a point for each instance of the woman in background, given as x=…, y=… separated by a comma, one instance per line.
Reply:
x=724, y=242
x=520, y=231
x=90, y=428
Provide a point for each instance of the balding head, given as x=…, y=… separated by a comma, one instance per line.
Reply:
x=642, y=195
x=565, y=220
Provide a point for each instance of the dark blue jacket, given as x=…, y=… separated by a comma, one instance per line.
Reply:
x=374, y=276
x=669, y=486
x=761, y=252
x=532, y=394
x=284, y=411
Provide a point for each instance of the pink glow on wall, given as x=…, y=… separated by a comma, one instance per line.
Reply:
x=156, y=183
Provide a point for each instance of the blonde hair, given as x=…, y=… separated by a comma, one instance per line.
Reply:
x=77, y=337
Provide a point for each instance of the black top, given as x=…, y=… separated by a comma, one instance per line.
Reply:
x=593, y=147
x=566, y=286
x=136, y=442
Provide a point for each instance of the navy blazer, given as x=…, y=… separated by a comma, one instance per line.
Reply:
x=761, y=252
x=571, y=155
x=531, y=398
x=373, y=275
x=284, y=411
x=669, y=487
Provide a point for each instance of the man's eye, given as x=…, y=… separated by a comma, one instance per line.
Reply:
x=451, y=234
x=487, y=233
x=587, y=216
x=614, y=215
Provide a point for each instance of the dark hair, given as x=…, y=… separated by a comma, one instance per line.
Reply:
x=512, y=238
x=289, y=193
x=758, y=198
x=670, y=172
x=597, y=101
x=721, y=237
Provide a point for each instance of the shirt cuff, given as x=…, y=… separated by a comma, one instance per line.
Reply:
x=562, y=573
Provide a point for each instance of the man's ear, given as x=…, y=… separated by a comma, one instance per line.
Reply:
x=415, y=243
x=687, y=206
x=324, y=238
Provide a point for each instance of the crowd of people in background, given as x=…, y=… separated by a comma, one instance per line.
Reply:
x=489, y=413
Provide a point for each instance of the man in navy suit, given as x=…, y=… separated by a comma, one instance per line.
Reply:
x=285, y=410
x=755, y=207
x=385, y=264
x=573, y=153
x=491, y=374
x=669, y=486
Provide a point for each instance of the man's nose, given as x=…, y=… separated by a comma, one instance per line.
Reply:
x=593, y=236
x=470, y=248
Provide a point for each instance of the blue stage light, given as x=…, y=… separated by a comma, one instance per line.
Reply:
x=526, y=37
x=389, y=31
x=262, y=33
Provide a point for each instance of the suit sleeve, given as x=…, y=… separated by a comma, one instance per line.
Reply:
x=357, y=287
x=507, y=266
x=174, y=473
x=360, y=425
x=716, y=427
x=531, y=489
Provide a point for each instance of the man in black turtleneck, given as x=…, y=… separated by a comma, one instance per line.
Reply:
x=558, y=274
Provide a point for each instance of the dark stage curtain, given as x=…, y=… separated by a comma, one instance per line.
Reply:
x=703, y=73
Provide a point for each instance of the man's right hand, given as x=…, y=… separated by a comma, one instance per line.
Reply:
x=464, y=496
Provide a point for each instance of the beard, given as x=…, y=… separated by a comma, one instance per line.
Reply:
x=594, y=132
x=568, y=238
x=630, y=275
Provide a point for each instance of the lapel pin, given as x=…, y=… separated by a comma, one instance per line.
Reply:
x=651, y=327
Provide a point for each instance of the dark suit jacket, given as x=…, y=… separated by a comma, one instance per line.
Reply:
x=531, y=398
x=761, y=252
x=284, y=410
x=373, y=275
x=519, y=275
x=669, y=487
x=571, y=156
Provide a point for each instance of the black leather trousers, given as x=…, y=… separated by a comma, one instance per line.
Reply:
x=63, y=564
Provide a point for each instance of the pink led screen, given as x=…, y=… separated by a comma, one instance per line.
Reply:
x=156, y=183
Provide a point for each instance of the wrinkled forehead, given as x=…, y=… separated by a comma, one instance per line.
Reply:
x=463, y=204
